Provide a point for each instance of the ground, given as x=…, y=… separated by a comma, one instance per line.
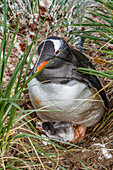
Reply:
x=96, y=150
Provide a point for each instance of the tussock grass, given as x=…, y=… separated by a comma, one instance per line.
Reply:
x=21, y=145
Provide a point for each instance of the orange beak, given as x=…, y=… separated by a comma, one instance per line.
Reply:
x=41, y=66
x=38, y=127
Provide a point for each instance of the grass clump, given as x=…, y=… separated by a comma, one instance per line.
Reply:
x=21, y=145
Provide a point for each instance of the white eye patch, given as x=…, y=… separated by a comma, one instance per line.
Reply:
x=57, y=44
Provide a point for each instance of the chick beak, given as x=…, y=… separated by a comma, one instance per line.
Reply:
x=41, y=66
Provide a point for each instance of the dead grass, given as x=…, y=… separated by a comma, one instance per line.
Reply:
x=95, y=151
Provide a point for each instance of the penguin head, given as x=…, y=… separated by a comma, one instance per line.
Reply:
x=47, y=126
x=54, y=50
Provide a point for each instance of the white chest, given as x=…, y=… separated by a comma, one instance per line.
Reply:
x=60, y=96
x=68, y=103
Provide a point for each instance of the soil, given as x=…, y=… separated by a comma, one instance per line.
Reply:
x=96, y=150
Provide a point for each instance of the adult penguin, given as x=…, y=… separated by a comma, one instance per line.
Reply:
x=64, y=92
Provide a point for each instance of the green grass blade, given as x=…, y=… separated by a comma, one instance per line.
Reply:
x=12, y=42
x=106, y=4
x=106, y=18
x=95, y=72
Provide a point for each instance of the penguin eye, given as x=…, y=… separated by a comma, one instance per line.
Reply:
x=57, y=52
